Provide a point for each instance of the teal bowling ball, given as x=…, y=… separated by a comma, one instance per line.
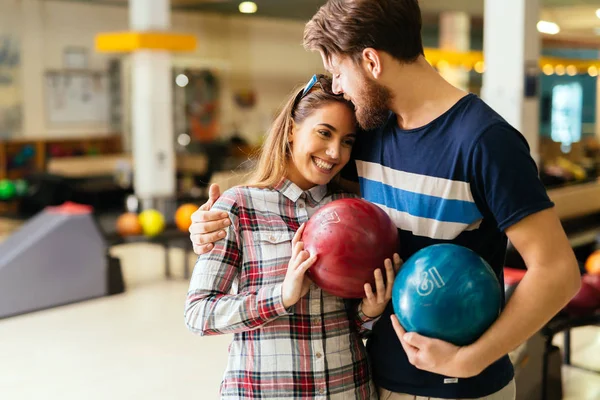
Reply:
x=28, y=151
x=447, y=292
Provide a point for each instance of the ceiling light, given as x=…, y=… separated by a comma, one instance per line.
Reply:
x=598, y=13
x=184, y=139
x=182, y=80
x=442, y=64
x=248, y=7
x=479, y=67
x=548, y=69
x=548, y=27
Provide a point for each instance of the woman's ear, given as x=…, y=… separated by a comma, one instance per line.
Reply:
x=290, y=137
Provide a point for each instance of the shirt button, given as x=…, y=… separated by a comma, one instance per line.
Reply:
x=319, y=355
x=301, y=205
x=272, y=238
x=321, y=391
x=316, y=321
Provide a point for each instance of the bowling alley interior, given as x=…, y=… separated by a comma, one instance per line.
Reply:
x=116, y=117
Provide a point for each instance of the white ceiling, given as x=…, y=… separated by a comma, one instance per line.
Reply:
x=576, y=22
x=576, y=18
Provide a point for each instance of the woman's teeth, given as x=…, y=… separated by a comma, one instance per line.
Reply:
x=322, y=164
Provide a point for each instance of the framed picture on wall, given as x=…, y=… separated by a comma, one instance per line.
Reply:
x=75, y=58
x=77, y=97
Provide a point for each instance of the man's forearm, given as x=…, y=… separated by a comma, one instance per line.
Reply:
x=538, y=297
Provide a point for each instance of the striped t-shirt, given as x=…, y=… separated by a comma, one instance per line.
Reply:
x=463, y=178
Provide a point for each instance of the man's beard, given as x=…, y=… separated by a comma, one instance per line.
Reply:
x=373, y=109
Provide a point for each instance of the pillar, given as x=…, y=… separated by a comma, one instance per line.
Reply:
x=455, y=35
x=511, y=47
x=151, y=106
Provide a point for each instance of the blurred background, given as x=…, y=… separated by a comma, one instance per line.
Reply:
x=107, y=147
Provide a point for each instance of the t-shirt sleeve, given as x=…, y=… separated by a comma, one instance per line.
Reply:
x=504, y=176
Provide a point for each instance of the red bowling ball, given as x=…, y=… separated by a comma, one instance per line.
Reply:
x=593, y=281
x=351, y=238
x=585, y=301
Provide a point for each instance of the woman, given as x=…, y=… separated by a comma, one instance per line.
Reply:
x=291, y=339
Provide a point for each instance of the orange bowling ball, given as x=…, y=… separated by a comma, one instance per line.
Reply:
x=183, y=216
x=592, y=264
x=129, y=225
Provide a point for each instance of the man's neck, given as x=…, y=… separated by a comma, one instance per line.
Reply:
x=421, y=95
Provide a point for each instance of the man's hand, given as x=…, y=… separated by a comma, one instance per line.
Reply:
x=435, y=355
x=207, y=226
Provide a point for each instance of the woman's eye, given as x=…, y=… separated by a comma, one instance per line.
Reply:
x=349, y=143
x=324, y=133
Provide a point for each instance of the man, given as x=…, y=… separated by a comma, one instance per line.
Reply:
x=447, y=169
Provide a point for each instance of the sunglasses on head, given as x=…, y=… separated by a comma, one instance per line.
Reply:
x=321, y=80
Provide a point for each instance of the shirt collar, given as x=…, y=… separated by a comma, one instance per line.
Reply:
x=293, y=191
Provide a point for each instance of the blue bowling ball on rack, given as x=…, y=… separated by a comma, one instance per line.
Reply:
x=447, y=292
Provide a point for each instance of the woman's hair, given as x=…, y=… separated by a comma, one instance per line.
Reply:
x=274, y=155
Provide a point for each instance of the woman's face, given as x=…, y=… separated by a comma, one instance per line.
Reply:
x=321, y=145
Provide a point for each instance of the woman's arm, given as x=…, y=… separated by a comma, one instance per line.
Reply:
x=209, y=308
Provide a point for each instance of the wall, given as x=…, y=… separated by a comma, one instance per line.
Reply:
x=10, y=71
x=249, y=53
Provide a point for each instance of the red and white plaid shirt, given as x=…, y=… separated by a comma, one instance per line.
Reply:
x=312, y=350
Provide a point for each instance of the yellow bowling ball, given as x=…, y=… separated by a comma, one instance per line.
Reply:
x=152, y=221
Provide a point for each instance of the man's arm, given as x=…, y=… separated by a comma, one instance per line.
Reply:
x=551, y=280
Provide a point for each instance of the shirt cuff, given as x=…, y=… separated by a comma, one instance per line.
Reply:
x=270, y=302
x=365, y=321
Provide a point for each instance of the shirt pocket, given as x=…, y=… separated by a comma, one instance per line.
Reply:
x=268, y=257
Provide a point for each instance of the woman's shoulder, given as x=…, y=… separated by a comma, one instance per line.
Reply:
x=241, y=192
x=248, y=196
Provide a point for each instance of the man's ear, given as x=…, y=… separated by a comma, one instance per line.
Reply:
x=372, y=62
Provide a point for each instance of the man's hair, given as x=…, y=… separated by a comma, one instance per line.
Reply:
x=347, y=27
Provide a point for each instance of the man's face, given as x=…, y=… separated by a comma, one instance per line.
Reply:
x=371, y=99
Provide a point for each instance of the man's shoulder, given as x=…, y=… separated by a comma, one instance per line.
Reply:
x=477, y=115
x=470, y=121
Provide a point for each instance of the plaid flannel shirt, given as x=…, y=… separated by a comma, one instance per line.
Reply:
x=313, y=349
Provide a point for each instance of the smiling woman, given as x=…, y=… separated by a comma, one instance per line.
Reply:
x=254, y=279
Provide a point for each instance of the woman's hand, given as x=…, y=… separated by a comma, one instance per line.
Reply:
x=296, y=283
x=373, y=304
